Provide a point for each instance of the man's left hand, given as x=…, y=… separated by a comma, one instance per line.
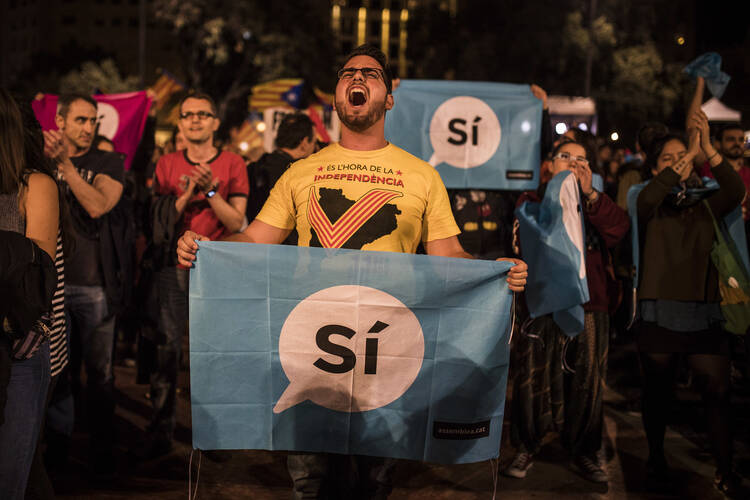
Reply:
x=203, y=177
x=517, y=274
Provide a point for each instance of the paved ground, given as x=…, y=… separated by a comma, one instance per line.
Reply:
x=262, y=475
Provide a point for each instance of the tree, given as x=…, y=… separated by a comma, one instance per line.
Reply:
x=227, y=46
x=624, y=49
x=98, y=77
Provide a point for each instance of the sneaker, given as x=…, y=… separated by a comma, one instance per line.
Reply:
x=591, y=469
x=520, y=465
x=729, y=484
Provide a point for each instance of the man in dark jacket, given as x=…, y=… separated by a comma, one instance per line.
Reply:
x=295, y=140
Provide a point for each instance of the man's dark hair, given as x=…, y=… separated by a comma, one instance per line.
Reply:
x=725, y=127
x=379, y=56
x=98, y=139
x=201, y=96
x=293, y=128
x=648, y=132
x=64, y=102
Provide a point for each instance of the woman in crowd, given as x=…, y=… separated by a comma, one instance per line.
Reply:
x=558, y=381
x=29, y=217
x=679, y=295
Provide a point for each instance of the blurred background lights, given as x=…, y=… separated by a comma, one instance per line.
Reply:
x=583, y=127
x=261, y=127
x=614, y=136
x=561, y=128
x=525, y=126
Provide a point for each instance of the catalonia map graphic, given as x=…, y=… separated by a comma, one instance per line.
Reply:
x=339, y=222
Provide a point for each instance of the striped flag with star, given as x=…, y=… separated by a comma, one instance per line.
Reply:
x=283, y=92
x=324, y=98
x=248, y=133
x=164, y=87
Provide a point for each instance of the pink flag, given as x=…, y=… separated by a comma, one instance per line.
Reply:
x=121, y=118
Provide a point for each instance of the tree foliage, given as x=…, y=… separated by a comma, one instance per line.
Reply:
x=228, y=46
x=94, y=77
x=633, y=78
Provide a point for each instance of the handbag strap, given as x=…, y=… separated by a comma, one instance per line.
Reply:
x=717, y=229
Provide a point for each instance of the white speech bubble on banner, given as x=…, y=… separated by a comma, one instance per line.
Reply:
x=349, y=348
x=109, y=120
x=464, y=132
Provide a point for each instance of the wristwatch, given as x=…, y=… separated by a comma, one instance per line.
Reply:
x=210, y=193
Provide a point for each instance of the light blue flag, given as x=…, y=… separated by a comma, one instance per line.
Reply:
x=708, y=66
x=352, y=352
x=553, y=246
x=477, y=134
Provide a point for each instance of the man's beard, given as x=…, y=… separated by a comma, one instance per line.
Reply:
x=362, y=122
x=732, y=153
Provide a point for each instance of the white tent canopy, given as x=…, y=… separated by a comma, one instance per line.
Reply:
x=565, y=105
x=717, y=111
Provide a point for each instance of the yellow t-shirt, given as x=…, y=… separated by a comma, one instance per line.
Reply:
x=385, y=200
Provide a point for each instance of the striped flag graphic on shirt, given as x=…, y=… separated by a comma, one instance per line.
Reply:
x=335, y=234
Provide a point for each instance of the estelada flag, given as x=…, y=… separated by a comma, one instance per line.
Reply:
x=248, y=133
x=164, y=87
x=282, y=92
x=121, y=118
x=324, y=98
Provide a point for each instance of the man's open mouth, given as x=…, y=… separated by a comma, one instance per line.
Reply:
x=357, y=97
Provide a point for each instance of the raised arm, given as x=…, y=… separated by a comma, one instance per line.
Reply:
x=230, y=212
x=97, y=198
x=693, y=109
x=695, y=103
x=655, y=191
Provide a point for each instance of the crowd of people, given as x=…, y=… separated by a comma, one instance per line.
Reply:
x=89, y=250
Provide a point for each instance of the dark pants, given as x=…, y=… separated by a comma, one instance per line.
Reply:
x=93, y=330
x=27, y=395
x=173, y=284
x=331, y=476
x=558, y=385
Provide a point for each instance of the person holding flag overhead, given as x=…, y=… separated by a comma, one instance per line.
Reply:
x=679, y=296
x=361, y=193
x=548, y=352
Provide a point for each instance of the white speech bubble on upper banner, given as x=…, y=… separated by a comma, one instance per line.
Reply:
x=464, y=132
x=349, y=348
x=109, y=120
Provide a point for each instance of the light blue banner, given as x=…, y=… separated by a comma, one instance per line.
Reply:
x=477, y=134
x=553, y=245
x=351, y=352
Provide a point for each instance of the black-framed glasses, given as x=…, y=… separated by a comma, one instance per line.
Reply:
x=566, y=157
x=202, y=115
x=367, y=73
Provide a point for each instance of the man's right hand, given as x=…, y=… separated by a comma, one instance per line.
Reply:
x=187, y=248
x=54, y=147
